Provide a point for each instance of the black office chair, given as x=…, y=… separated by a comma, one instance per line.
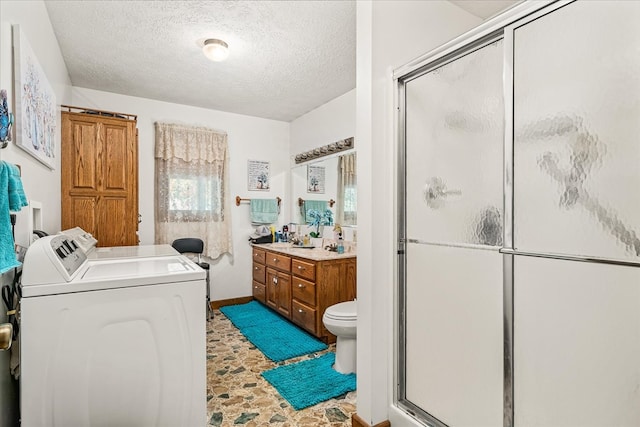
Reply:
x=192, y=245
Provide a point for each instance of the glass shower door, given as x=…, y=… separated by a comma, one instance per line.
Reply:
x=453, y=342
x=576, y=210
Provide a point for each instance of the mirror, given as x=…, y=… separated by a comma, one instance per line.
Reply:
x=322, y=181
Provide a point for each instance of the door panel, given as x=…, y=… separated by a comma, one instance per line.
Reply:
x=453, y=293
x=117, y=158
x=83, y=212
x=84, y=155
x=577, y=344
x=454, y=334
x=576, y=127
x=454, y=131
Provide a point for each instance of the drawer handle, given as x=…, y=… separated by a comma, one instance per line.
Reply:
x=300, y=310
x=275, y=280
x=300, y=267
x=275, y=260
x=255, y=268
x=300, y=285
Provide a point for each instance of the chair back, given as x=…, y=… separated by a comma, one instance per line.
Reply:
x=189, y=245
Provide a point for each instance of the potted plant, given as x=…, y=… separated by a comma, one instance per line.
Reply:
x=317, y=219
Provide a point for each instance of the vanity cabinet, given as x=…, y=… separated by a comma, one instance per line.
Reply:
x=301, y=287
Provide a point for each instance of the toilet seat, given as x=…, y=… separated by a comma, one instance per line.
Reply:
x=342, y=311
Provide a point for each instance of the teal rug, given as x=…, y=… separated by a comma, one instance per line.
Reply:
x=311, y=381
x=273, y=335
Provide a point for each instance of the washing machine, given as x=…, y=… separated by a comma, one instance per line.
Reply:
x=111, y=342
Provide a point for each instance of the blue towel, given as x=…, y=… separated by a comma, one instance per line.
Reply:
x=317, y=205
x=17, y=198
x=264, y=211
x=12, y=197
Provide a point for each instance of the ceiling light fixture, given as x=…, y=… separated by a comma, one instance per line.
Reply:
x=215, y=50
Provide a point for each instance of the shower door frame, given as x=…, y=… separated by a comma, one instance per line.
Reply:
x=500, y=27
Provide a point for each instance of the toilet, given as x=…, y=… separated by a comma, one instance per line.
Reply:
x=340, y=319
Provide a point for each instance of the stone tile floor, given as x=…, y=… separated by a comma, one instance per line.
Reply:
x=238, y=395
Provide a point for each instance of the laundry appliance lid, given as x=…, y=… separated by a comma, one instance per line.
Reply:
x=142, y=251
x=122, y=273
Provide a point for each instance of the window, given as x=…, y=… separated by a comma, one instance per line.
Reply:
x=191, y=182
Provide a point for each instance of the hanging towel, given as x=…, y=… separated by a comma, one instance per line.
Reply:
x=17, y=198
x=12, y=197
x=264, y=211
x=318, y=205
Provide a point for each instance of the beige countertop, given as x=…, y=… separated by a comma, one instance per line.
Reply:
x=315, y=254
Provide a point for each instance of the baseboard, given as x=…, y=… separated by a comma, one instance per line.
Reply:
x=231, y=301
x=356, y=421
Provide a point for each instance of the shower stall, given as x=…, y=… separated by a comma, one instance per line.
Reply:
x=518, y=299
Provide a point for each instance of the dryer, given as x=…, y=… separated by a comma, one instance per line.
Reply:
x=114, y=342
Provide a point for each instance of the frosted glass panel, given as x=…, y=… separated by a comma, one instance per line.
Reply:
x=454, y=359
x=577, y=344
x=577, y=127
x=454, y=133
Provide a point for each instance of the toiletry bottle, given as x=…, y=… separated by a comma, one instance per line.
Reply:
x=340, y=244
x=273, y=234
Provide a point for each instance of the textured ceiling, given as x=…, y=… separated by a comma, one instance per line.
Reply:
x=286, y=57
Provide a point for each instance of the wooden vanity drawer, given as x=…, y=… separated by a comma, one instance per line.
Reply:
x=304, y=316
x=259, y=272
x=281, y=262
x=259, y=255
x=304, y=269
x=304, y=291
x=259, y=292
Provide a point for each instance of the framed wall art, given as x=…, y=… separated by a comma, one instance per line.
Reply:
x=36, y=111
x=258, y=175
x=315, y=179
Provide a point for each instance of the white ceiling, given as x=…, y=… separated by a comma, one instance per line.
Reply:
x=484, y=8
x=286, y=57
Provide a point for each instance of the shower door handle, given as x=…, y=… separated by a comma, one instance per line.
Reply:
x=435, y=192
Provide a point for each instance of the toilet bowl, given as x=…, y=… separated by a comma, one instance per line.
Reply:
x=341, y=320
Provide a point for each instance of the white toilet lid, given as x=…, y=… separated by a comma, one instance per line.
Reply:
x=342, y=311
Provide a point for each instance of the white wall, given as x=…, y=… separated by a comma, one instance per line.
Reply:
x=390, y=34
x=40, y=183
x=250, y=138
x=328, y=123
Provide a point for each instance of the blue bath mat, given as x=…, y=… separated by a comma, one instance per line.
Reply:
x=311, y=381
x=273, y=335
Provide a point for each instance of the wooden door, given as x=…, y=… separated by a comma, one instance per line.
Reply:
x=100, y=177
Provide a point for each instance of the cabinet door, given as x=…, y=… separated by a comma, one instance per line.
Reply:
x=259, y=292
x=278, y=291
x=100, y=178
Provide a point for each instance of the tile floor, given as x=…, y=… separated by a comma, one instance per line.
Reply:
x=238, y=395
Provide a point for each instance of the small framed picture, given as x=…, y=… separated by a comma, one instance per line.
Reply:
x=315, y=179
x=258, y=175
